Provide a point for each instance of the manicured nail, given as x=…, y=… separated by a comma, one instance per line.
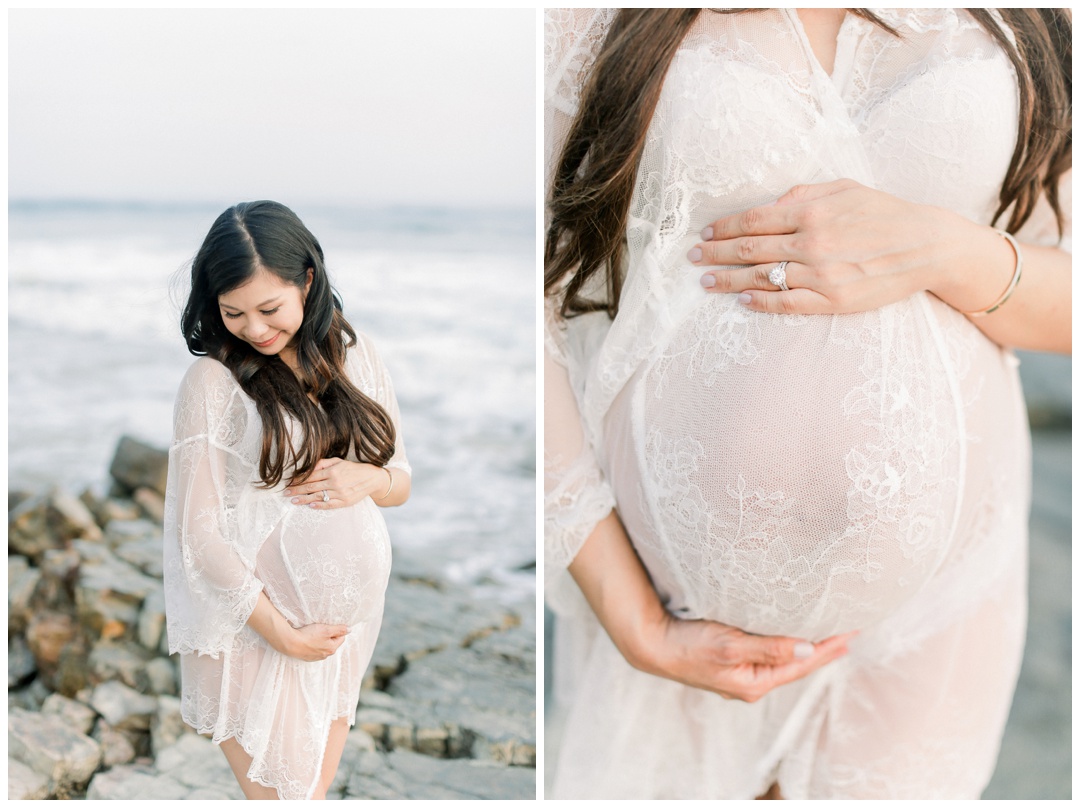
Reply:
x=745, y=298
x=804, y=650
x=287, y=491
x=296, y=501
x=708, y=281
x=706, y=234
x=694, y=255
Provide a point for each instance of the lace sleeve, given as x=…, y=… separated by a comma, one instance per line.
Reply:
x=369, y=374
x=210, y=587
x=576, y=493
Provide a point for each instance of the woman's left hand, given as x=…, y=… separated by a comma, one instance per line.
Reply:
x=344, y=482
x=851, y=248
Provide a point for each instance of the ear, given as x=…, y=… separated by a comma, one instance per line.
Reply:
x=307, y=285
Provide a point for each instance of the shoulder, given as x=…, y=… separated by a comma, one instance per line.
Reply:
x=207, y=376
x=362, y=359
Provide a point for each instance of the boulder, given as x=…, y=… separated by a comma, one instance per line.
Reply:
x=24, y=783
x=123, y=707
x=404, y=775
x=48, y=746
x=23, y=582
x=145, y=554
x=108, y=595
x=166, y=725
x=21, y=664
x=28, y=528
x=119, y=660
x=137, y=465
x=116, y=749
x=69, y=518
x=151, y=623
x=59, y=569
x=151, y=502
x=160, y=677
x=73, y=713
x=134, y=782
x=50, y=635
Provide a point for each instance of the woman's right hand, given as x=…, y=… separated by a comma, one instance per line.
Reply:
x=725, y=660
x=315, y=642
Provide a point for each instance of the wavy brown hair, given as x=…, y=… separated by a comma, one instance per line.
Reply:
x=595, y=175
x=268, y=236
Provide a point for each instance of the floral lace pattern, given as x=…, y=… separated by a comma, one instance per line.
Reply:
x=801, y=476
x=226, y=540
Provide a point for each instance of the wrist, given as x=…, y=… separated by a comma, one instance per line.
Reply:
x=976, y=266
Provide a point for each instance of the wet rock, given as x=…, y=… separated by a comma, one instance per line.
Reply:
x=134, y=782
x=161, y=677
x=73, y=713
x=123, y=707
x=137, y=465
x=115, y=660
x=151, y=623
x=166, y=725
x=152, y=504
x=48, y=746
x=69, y=518
x=24, y=783
x=21, y=664
x=405, y=775
x=28, y=529
x=116, y=749
x=23, y=581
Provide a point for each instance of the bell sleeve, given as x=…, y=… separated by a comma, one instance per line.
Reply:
x=210, y=586
x=369, y=374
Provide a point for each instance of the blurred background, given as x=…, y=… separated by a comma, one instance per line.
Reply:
x=403, y=139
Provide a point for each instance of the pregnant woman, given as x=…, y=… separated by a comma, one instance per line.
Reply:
x=787, y=454
x=287, y=442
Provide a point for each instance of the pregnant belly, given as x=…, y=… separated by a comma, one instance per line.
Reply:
x=789, y=475
x=329, y=566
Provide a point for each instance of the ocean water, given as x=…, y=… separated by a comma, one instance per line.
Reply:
x=448, y=296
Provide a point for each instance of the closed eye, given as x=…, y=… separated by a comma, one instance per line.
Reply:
x=232, y=316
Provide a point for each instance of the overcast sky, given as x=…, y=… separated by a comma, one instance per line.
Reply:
x=409, y=106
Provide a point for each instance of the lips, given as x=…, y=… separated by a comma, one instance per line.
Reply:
x=268, y=343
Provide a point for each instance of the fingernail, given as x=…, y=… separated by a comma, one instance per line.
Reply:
x=287, y=491
x=694, y=255
x=706, y=234
x=804, y=650
x=745, y=298
x=296, y=501
x=708, y=281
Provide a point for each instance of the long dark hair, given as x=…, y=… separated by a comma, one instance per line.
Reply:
x=267, y=235
x=594, y=177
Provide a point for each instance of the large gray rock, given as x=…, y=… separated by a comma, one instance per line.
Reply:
x=151, y=623
x=108, y=595
x=197, y=763
x=121, y=532
x=116, y=747
x=58, y=648
x=137, y=464
x=161, y=677
x=117, y=660
x=24, y=783
x=21, y=664
x=48, y=746
x=70, y=519
x=166, y=725
x=151, y=502
x=28, y=528
x=404, y=775
x=145, y=554
x=73, y=713
x=123, y=707
x=134, y=782
x=23, y=581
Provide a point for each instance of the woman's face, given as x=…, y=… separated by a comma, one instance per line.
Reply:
x=266, y=312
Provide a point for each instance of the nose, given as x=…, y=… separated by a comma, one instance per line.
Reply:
x=256, y=330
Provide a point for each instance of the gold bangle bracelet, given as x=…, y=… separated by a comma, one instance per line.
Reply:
x=997, y=304
x=389, y=487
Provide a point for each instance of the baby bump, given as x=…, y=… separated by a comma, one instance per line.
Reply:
x=792, y=475
x=335, y=563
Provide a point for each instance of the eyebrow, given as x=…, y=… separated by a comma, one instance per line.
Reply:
x=262, y=305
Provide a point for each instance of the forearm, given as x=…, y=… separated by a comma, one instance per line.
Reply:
x=618, y=589
x=399, y=490
x=1038, y=314
x=272, y=626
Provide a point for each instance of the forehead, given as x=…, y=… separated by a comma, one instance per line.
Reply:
x=263, y=287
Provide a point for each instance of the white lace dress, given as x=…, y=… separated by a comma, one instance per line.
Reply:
x=794, y=475
x=227, y=539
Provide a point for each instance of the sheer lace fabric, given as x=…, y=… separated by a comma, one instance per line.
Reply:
x=227, y=540
x=795, y=475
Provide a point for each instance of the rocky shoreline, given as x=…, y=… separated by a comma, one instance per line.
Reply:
x=447, y=710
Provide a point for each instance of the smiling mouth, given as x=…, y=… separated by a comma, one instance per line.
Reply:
x=268, y=343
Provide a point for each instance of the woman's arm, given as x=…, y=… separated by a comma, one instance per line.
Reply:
x=310, y=643
x=851, y=248
x=347, y=482
x=698, y=653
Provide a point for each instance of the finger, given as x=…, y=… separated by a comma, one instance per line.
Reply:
x=756, y=649
x=796, y=301
x=740, y=279
x=319, y=504
x=817, y=190
x=746, y=250
x=760, y=221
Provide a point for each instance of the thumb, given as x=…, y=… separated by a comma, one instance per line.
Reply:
x=773, y=650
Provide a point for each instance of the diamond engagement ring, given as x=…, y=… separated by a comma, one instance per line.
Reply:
x=325, y=495
x=778, y=277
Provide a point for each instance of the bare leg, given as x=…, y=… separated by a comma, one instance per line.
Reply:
x=335, y=744
x=240, y=761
